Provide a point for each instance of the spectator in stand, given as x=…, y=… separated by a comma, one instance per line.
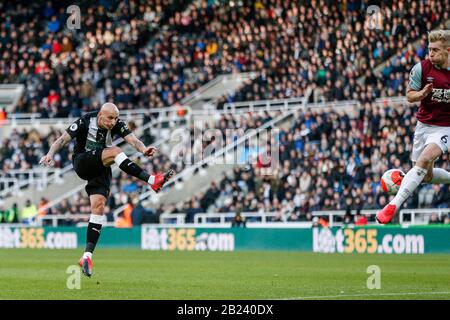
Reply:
x=28, y=213
x=360, y=220
x=239, y=220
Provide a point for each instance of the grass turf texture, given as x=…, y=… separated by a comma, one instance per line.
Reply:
x=136, y=274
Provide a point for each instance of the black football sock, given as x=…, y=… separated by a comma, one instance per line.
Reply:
x=131, y=168
x=93, y=233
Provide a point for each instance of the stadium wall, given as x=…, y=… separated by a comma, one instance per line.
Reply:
x=372, y=240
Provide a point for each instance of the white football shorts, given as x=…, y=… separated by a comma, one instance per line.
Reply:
x=426, y=134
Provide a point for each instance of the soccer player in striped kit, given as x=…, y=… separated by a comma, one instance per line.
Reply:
x=93, y=156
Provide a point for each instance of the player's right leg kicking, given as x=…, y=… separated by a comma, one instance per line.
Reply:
x=115, y=155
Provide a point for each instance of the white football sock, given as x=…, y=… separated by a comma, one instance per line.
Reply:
x=97, y=218
x=121, y=157
x=440, y=176
x=410, y=183
x=151, y=180
x=87, y=254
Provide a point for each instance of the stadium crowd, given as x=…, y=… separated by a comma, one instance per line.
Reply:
x=21, y=150
x=154, y=53
x=70, y=71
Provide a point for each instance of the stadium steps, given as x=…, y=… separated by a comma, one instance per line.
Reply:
x=10, y=95
x=70, y=181
x=207, y=95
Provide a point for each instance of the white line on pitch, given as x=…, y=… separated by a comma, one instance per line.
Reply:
x=366, y=295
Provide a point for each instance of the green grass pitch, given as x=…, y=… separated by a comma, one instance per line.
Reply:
x=136, y=274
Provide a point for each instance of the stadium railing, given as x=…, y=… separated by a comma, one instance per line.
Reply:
x=268, y=217
x=176, y=218
x=421, y=216
x=224, y=220
x=264, y=219
x=202, y=218
x=35, y=119
x=332, y=214
x=205, y=218
x=55, y=219
x=40, y=177
x=262, y=105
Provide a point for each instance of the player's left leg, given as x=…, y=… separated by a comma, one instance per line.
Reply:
x=96, y=221
x=437, y=176
x=411, y=181
x=98, y=188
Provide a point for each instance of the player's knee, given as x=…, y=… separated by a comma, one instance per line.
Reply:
x=424, y=162
x=114, y=151
x=98, y=207
x=428, y=176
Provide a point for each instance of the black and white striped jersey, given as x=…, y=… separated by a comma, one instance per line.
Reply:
x=90, y=137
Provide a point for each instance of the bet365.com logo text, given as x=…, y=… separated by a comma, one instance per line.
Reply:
x=365, y=241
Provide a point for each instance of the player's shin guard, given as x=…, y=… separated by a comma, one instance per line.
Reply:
x=410, y=182
x=130, y=167
x=93, y=231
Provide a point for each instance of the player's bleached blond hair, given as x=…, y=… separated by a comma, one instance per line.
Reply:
x=440, y=35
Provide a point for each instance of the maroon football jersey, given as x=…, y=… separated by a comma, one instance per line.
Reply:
x=435, y=108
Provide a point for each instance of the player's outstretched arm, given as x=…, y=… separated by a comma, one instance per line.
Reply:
x=132, y=140
x=59, y=143
x=416, y=96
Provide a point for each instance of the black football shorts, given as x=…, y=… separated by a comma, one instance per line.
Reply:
x=89, y=166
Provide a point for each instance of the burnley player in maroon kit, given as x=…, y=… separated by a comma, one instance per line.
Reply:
x=430, y=84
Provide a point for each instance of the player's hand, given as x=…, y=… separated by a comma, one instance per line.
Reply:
x=427, y=90
x=149, y=151
x=46, y=161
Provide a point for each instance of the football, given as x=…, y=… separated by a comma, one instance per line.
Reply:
x=391, y=181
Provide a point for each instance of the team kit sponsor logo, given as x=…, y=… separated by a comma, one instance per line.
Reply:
x=37, y=238
x=441, y=95
x=188, y=239
x=366, y=241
